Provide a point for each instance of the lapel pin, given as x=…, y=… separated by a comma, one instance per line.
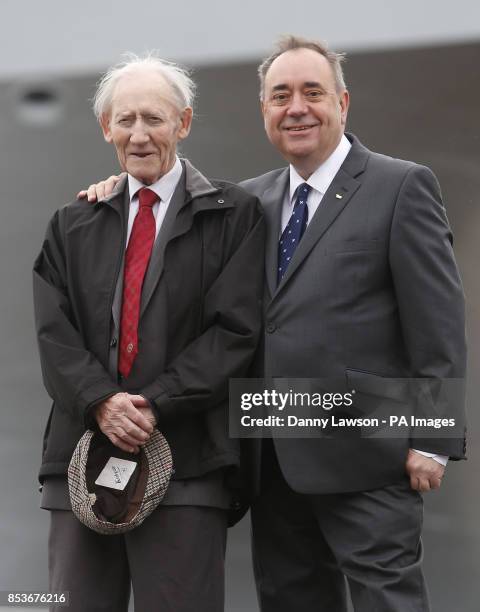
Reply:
x=338, y=196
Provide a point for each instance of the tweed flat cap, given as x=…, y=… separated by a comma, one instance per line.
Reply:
x=113, y=510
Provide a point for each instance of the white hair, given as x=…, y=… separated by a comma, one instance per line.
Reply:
x=178, y=78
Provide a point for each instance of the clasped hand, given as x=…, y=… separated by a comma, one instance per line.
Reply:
x=127, y=420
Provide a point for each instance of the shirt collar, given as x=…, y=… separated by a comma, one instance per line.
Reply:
x=322, y=177
x=164, y=187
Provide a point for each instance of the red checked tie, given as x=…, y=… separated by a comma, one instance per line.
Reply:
x=136, y=261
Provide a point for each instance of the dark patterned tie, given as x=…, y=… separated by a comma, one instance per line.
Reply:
x=136, y=261
x=294, y=231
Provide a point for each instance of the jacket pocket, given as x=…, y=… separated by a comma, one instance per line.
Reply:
x=371, y=383
x=382, y=398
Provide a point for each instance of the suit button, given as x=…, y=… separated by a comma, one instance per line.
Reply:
x=113, y=342
x=271, y=327
x=236, y=505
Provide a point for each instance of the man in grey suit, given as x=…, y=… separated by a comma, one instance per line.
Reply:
x=372, y=292
x=146, y=304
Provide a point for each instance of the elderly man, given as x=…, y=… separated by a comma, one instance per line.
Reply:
x=146, y=304
x=361, y=284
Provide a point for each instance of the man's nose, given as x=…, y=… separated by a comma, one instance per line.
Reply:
x=297, y=106
x=139, y=133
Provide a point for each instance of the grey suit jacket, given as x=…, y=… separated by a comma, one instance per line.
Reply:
x=372, y=291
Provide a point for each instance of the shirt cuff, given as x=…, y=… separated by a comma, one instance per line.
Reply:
x=442, y=459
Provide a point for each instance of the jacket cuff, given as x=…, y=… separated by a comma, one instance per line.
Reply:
x=162, y=405
x=153, y=408
x=454, y=448
x=89, y=398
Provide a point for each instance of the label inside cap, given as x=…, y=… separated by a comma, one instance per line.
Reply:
x=116, y=473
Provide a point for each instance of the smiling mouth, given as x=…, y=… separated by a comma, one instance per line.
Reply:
x=299, y=128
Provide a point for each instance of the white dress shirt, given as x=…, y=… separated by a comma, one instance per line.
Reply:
x=164, y=188
x=319, y=182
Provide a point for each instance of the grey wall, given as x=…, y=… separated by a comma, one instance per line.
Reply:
x=420, y=104
x=83, y=37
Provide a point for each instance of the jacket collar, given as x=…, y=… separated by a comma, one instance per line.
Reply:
x=357, y=157
x=196, y=184
x=116, y=198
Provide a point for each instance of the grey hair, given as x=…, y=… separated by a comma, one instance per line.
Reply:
x=290, y=43
x=178, y=78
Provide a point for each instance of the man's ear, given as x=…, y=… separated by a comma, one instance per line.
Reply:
x=262, y=107
x=185, y=122
x=105, y=124
x=344, y=104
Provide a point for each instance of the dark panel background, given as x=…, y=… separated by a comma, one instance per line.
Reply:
x=419, y=104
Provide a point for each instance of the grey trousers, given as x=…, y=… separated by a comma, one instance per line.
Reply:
x=304, y=546
x=174, y=562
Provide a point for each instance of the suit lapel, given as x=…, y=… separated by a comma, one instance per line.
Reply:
x=329, y=209
x=338, y=195
x=272, y=201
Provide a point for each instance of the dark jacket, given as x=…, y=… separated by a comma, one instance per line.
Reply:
x=204, y=310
